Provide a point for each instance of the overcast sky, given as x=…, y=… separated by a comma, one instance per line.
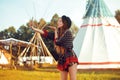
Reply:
x=18, y=12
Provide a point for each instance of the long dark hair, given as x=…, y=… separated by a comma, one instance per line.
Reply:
x=66, y=25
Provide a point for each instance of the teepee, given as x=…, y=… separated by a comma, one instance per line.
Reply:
x=39, y=52
x=97, y=43
x=5, y=57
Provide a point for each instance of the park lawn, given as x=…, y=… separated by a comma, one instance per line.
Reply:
x=27, y=75
x=53, y=74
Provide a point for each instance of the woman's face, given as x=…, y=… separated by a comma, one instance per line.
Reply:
x=60, y=23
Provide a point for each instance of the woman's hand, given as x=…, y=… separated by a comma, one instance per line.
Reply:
x=55, y=30
x=30, y=23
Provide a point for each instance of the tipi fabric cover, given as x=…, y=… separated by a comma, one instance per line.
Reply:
x=97, y=43
x=3, y=59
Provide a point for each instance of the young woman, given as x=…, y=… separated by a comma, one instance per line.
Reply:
x=62, y=36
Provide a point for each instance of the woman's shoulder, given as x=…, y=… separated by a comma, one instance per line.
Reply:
x=68, y=31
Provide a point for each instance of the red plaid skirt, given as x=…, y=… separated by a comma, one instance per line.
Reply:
x=65, y=60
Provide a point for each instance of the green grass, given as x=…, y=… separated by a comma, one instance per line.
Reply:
x=27, y=75
x=53, y=74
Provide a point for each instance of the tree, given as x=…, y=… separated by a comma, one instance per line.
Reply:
x=1, y=34
x=8, y=33
x=54, y=20
x=24, y=33
x=117, y=15
x=41, y=23
x=74, y=29
x=11, y=31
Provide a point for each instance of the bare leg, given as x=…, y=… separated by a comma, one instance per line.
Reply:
x=73, y=71
x=63, y=75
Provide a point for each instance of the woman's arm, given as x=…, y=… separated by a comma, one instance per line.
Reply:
x=31, y=24
x=45, y=33
x=37, y=30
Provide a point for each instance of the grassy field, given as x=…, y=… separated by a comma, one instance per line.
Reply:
x=53, y=74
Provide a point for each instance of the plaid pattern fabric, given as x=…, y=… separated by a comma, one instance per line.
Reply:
x=66, y=41
x=65, y=60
